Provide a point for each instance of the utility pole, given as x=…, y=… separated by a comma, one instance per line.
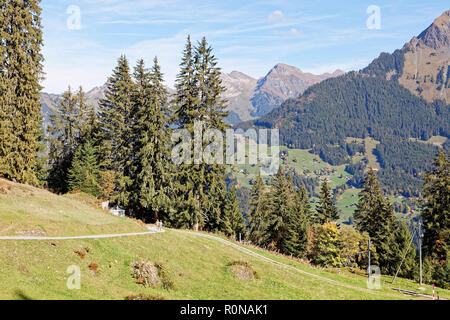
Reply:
x=420, y=252
x=404, y=256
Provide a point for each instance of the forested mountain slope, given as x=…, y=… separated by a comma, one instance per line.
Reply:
x=360, y=106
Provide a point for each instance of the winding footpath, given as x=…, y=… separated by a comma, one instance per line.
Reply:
x=152, y=230
x=290, y=267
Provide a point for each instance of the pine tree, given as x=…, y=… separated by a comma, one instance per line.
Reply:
x=115, y=127
x=436, y=209
x=298, y=222
x=152, y=172
x=397, y=250
x=70, y=126
x=201, y=186
x=21, y=72
x=303, y=202
x=63, y=141
x=374, y=215
x=212, y=113
x=257, y=213
x=232, y=211
x=84, y=175
x=326, y=211
x=86, y=118
x=187, y=182
x=281, y=209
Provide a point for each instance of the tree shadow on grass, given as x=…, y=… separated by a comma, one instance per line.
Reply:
x=22, y=296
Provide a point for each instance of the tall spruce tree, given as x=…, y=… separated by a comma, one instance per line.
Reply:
x=84, y=174
x=212, y=113
x=303, y=202
x=281, y=206
x=257, y=214
x=188, y=213
x=115, y=127
x=234, y=215
x=70, y=126
x=375, y=215
x=152, y=172
x=326, y=211
x=201, y=186
x=298, y=222
x=397, y=251
x=436, y=209
x=86, y=118
x=21, y=71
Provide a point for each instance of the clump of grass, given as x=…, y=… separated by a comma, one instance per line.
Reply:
x=93, y=267
x=145, y=273
x=242, y=270
x=167, y=282
x=143, y=296
x=82, y=252
x=151, y=274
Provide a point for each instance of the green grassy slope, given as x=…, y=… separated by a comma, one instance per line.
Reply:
x=197, y=266
x=25, y=210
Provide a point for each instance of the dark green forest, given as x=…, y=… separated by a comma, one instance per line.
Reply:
x=361, y=106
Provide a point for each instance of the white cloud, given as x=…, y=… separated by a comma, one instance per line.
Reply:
x=291, y=32
x=276, y=16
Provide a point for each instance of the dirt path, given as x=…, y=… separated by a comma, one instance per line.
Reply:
x=289, y=267
x=152, y=230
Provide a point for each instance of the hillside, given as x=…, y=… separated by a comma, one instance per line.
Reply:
x=281, y=83
x=422, y=65
x=375, y=103
x=26, y=211
x=196, y=265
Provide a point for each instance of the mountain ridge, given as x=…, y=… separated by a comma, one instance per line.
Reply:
x=248, y=97
x=392, y=100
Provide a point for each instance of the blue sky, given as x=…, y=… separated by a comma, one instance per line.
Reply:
x=249, y=36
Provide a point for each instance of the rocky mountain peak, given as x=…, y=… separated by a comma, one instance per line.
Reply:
x=437, y=35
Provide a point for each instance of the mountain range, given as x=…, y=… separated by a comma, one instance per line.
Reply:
x=248, y=98
x=400, y=100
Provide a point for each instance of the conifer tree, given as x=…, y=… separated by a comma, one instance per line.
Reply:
x=152, y=174
x=374, y=215
x=397, y=250
x=212, y=113
x=257, y=213
x=21, y=71
x=326, y=211
x=303, y=203
x=86, y=118
x=115, y=127
x=436, y=209
x=298, y=222
x=70, y=126
x=237, y=221
x=63, y=141
x=281, y=208
x=201, y=186
x=187, y=183
x=84, y=175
